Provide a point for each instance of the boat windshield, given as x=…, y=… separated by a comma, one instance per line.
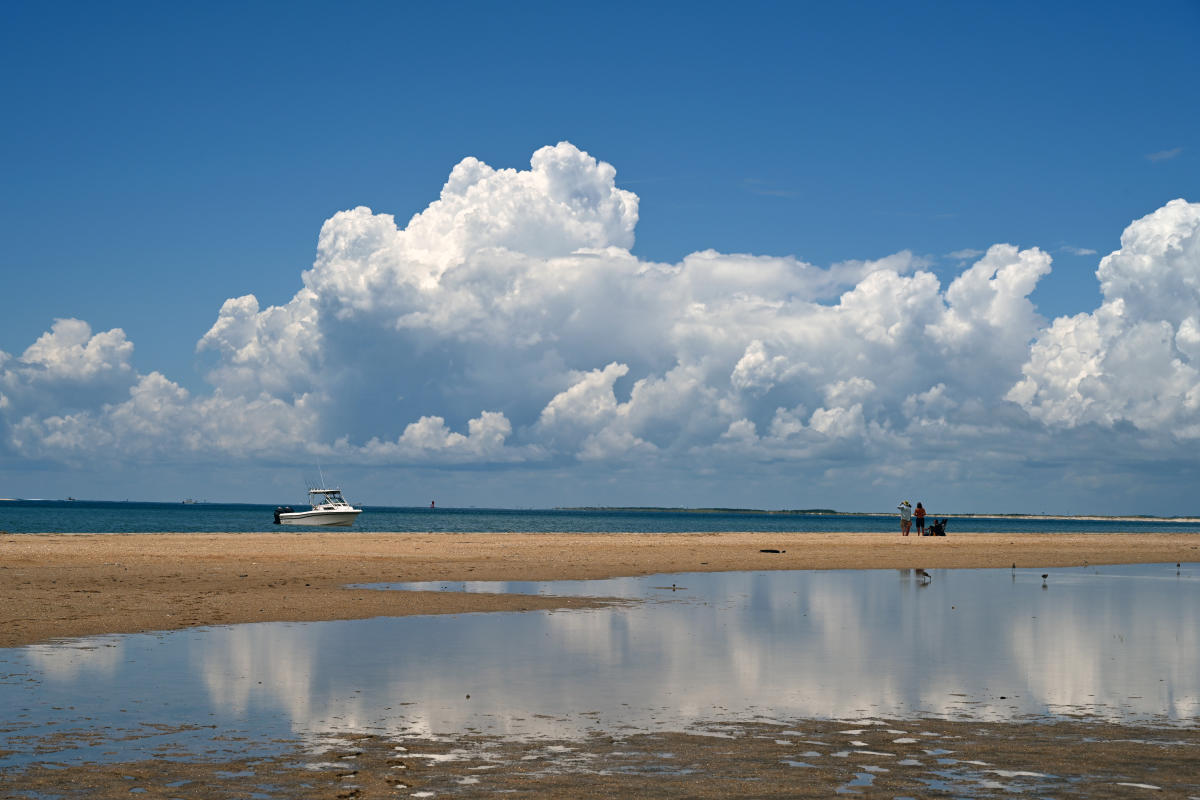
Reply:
x=333, y=496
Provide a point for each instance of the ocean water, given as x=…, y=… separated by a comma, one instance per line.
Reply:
x=88, y=516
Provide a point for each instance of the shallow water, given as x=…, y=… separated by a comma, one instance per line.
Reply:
x=1116, y=643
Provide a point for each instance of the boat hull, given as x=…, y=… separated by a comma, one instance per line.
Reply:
x=342, y=518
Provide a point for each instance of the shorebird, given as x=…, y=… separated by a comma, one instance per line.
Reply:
x=924, y=576
x=1044, y=576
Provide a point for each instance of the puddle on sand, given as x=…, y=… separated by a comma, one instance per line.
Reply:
x=1115, y=643
x=861, y=780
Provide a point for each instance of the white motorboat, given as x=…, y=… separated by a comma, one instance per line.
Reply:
x=328, y=508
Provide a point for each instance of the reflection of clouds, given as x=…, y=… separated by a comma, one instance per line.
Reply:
x=77, y=660
x=1089, y=653
x=791, y=645
x=840, y=644
x=248, y=669
x=606, y=639
x=236, y=661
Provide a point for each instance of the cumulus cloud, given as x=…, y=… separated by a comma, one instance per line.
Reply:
x=1134, y=359
x=68, y=369
x=74, y=395
x=69, y=351
x=510, y=323
x=429, y=440
x=275, y=350
x=159, y=420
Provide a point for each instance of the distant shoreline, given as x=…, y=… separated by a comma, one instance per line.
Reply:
x=829, y=512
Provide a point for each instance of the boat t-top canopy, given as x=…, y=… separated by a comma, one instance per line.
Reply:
x=328, y=496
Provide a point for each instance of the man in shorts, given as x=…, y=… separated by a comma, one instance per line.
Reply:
x=905, y=518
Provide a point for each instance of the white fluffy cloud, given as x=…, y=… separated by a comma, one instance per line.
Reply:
x=69, y=351
x=1136, y=359
x=509, y=322
x=67, y=371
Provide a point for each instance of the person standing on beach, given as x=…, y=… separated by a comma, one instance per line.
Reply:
x=919, y=514
x=905, y=518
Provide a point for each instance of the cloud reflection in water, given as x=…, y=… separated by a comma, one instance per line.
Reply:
x=1118, y=643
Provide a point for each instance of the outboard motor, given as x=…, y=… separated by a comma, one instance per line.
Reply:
x=281, y=510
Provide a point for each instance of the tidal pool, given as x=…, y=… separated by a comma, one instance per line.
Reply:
x=1120, y=644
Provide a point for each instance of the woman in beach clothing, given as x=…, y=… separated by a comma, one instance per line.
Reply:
x=905, y=518
x=919, y=514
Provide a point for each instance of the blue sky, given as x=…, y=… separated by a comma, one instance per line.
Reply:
x=160, y=160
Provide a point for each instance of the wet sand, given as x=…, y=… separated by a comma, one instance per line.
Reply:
x=802, y=758
x=64, y=585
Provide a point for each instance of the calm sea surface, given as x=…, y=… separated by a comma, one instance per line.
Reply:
x=86, y=516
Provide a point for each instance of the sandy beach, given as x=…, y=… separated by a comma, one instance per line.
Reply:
x=63, y=585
